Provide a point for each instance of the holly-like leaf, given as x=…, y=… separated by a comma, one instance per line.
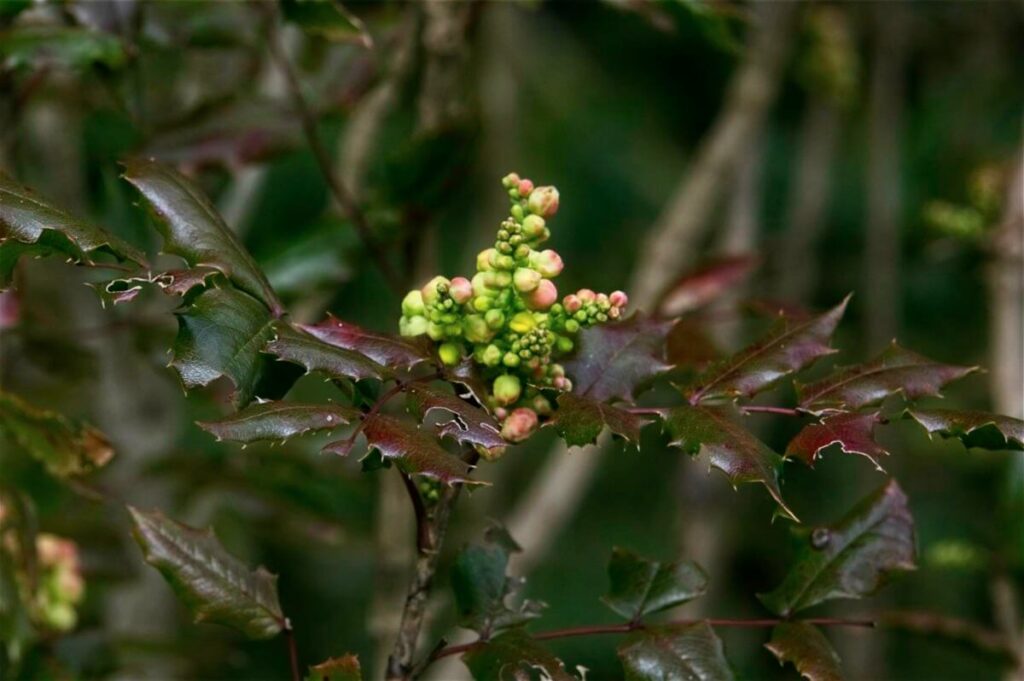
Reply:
x=704, y=284
x=216, y=586
x=468, y=376
x=393, y=352
x=415, y=450
x=331, y=20
x=62, y=445
x=221, y=334
x=174, y=283
x=852, y=431
x=511, y=656
x=806, y=648
x=851, y=559
x=471, y=425
x=973, y=428
x=579, y=420
x=482, y=588
x=30, y=225
x=640, y=586
x=36, y=47
x=895, y=370
x=345, y=668
x=279, y=421
x=614, y=360
x=694, y=653
x=788, y=348
x=713, y=434
x=300, y=348
x=193, y=230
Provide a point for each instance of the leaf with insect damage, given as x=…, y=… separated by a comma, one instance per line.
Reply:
x=471, y=425
x=854, y=432
x=514, y=655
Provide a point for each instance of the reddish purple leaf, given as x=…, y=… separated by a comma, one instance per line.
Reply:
x=974, y=428
x=393, y=352
x=279, y=421
x=713, y=434
x=853, y=432
x=704, y=284
x=579, y=420
x=896, y=370
x=467, y=374
x=614, y=360
x=689, y=345
x=415, y=450
x=471, y=425
x=174, y=283
x=300, y=348
x=806, y=648
x=788, y=348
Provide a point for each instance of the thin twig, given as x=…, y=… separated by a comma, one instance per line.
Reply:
x=783, y=411
x=628, y=627
x=423, y=538
x=293, y=652
x=345, y=200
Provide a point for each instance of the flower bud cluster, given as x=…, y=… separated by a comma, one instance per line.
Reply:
x=60, y=586
x=508, y=317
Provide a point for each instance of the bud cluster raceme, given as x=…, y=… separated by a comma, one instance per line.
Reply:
x=508, y=316
x=60, y=586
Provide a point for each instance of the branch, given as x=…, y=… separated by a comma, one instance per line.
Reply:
x=628, y=627
x=309, y=126
x=293, y=653
x=782, y=411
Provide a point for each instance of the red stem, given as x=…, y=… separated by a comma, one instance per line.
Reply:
x=784, y=411
x=635, y=626
x=293, y=653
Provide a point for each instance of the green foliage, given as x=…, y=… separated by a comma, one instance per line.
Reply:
x=510, y=656
x=852, y=558
x=33, y=47
x=973, y=428
x=279, y=421
x=806, y=648
x=640, y=586
x=579, y=420
x=690, y=652
x=216, y=586
x=291, y=345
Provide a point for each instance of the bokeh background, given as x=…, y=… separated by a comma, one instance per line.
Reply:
x=827, y=148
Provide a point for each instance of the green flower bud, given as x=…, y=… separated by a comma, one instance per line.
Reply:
x=547, y=262
x=505, y=262
x=522, y=322
x=507, y=389
x=541, y=405
x=450, y=353
x=510, y=359
x=435, y=331
x=481, y=287
x=526, y=279
x=485, y=260
x=533, y=227
x=510, y=180
x=476, y=330
x=572, y=326
x=430, y=291
x=412, y=304
x=564, y=344
x=498, y=280
x=491, y=355
x=482, y=303
x=517, y=212
x=495, y=319
x=413, y=326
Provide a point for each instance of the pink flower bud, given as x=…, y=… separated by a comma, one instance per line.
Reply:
x=526, y=280
x=619, y=299
x=615, y=313
x=525, y=187
x=586, y=295
x=461, y=290
x=519, y=425
x=548, y=263
x=500, y=413
x=542, y=297
x=572, y=303
x=510, y=180
x=560, y=382
x=543, y=201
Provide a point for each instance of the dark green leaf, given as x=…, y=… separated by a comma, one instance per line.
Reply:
x=614, y=360
x=32, y=226
x=216, y=586
x=193, y=229
x=692, y=653
x=806, y=648
x=71, y=47
x=511, y=656
x=415, y=450
x=300, y=348
x=482, y=587
x=851, y=559
x=393, y=352
x=62, y=445
x=788, y=348
x=344, y=668
x=974, y=428
x=471, y=425
x=713, y=435
x=579, y=420
x=894, y=371
x=327, y=18
x=853, y=432
x=640, y=586
x=279, y=421
x=222, y=333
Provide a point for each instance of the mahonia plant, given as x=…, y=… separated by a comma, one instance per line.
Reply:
x=507, y=317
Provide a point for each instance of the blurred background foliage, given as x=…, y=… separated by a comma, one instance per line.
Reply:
x=884, y=166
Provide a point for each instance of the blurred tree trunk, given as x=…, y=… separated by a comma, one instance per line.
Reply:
x=881, y=263
x=808, y=200
x=548, y=504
